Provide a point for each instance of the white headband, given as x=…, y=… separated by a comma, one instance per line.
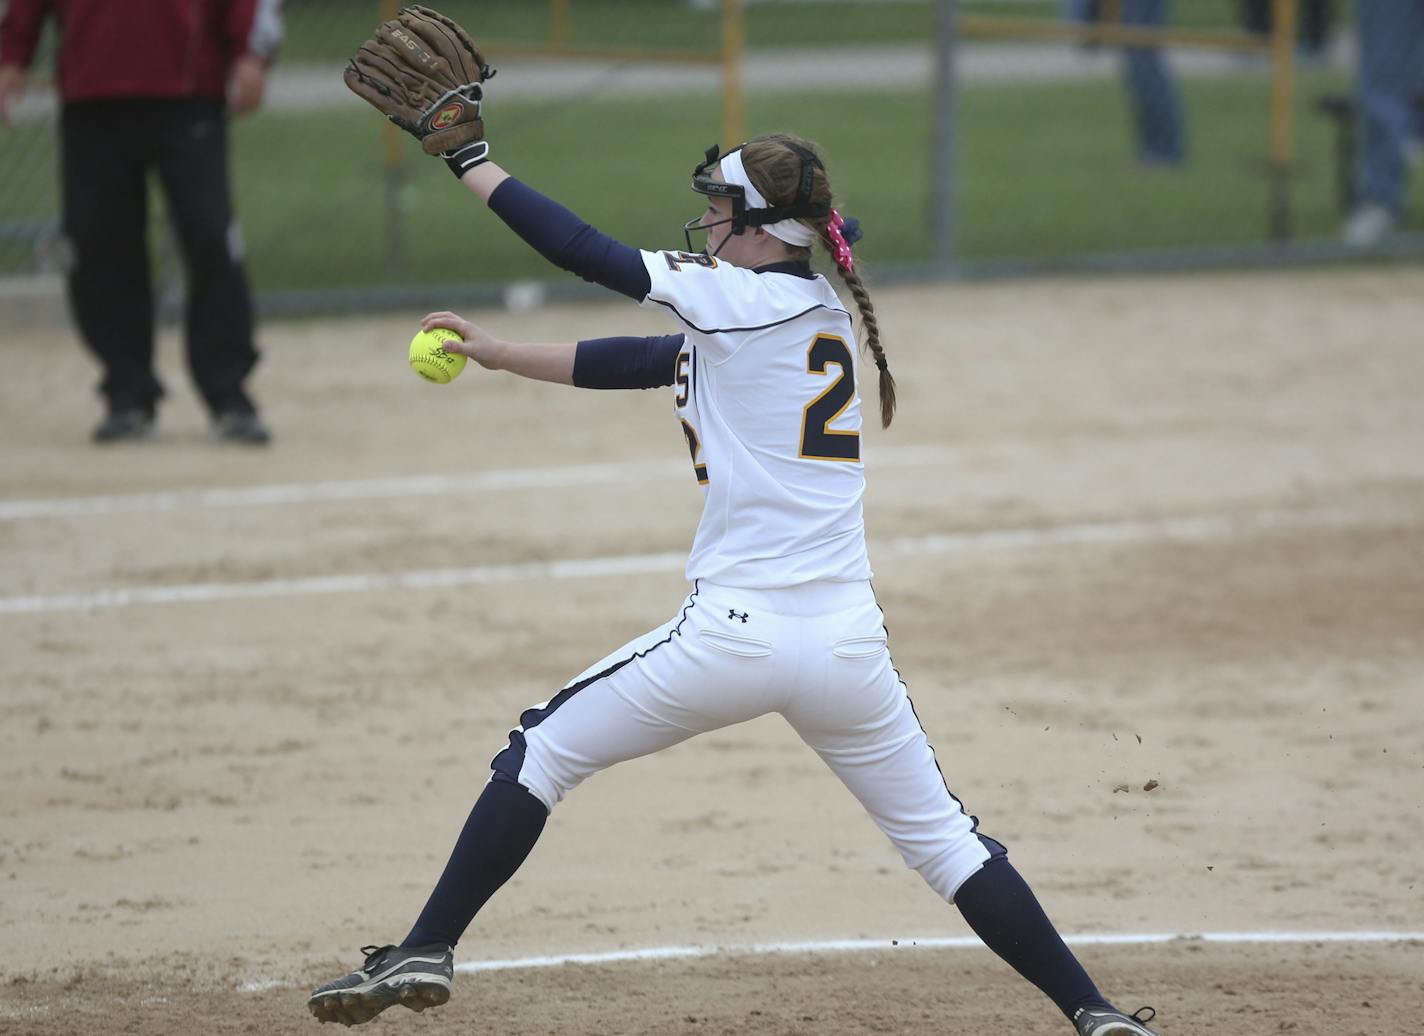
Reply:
x=791, y=231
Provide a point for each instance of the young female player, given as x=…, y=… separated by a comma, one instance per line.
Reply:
x=781, y=617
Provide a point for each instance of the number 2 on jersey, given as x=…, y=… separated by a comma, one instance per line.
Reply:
x=694, y=447
x=818, y=440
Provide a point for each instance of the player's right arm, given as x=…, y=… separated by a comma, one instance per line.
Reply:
x=600, y=363
x=540, y=362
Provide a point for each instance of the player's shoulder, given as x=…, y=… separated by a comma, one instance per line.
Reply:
x=711, y=295
x=697, y=266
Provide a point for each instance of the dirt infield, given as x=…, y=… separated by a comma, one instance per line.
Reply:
x=1125, y=531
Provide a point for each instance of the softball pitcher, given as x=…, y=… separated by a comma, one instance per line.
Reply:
x=781, y=618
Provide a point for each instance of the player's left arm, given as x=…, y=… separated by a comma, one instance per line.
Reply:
x=424, y=73
x=558, y=234
x=601, y=363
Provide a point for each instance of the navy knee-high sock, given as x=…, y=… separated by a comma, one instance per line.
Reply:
x=502, y=827
x=1002, y=910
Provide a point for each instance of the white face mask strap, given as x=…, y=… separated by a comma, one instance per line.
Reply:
x=788, y=230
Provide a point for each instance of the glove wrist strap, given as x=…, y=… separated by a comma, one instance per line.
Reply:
x=462, y=160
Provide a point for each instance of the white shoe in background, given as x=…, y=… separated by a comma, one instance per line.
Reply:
x=1368, y=225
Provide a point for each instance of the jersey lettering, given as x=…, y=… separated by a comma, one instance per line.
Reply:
x=682, y=383
x=818, y=440
x=676, y=260
x=694, y=446
x=764, y=386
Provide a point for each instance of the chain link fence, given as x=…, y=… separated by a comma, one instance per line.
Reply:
x=978, y=135
x=1146, y=133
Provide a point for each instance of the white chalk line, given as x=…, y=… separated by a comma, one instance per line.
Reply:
x=367, y=582
x=326, y=492
x=832, y=946
x=1194, y=528
x=658, y=953
x=411, y=486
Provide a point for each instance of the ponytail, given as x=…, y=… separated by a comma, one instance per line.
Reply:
x=837, y=236
x=776, y=163
x=871, y=324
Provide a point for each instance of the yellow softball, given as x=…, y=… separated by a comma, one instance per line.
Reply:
x=429, y=359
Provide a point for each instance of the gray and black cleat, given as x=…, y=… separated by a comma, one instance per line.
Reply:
x=417, y=977
x=241, y=426
x=1107, y=1021
x=124, y=426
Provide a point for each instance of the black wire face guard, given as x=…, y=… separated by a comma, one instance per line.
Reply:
x=694, y=224
x=703, y=183
x=742, y=217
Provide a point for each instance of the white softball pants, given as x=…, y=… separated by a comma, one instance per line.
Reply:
x=815, y=653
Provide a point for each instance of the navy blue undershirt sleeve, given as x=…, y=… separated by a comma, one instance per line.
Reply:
x=626, y=363
x=568, y=242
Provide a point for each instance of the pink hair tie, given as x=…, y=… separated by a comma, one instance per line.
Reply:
x=841, y=249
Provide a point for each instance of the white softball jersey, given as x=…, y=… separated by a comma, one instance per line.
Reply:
x=782, y=617
x=766, y=393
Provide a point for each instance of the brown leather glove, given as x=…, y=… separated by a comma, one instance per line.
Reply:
x=424, y=73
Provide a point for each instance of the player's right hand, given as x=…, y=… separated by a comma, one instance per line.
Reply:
x=12, y=88
x=479, y=345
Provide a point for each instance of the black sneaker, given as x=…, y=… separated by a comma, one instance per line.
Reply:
x=1108, y=1021
x=418, y=977
x=124, y=425
x=242, y=426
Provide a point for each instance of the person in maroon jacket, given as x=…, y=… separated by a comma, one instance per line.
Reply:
x=150, y=86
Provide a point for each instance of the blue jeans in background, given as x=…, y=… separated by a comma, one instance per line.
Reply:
x=1390, y=82
x=1156, y=104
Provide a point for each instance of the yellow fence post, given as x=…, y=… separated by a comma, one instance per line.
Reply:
x=559, y=24
x=1282, y=159
x=734, y=45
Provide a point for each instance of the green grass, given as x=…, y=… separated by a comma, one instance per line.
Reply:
x=1050, y=171
x=329, y=30
x=1192, y=14
x=1047, y=172
x=321, y=32
x=325, y=31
